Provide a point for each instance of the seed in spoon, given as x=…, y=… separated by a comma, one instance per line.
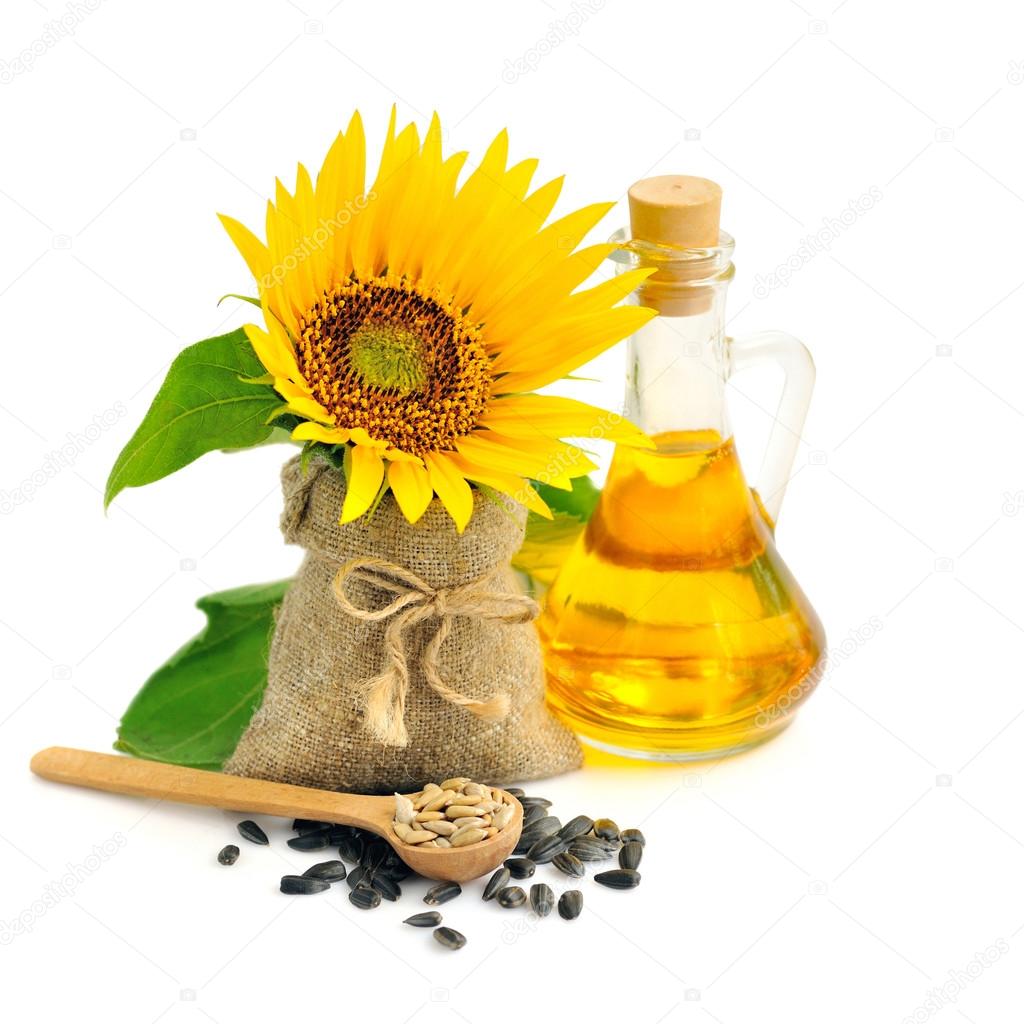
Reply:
x=250, y=830
x=228, y=855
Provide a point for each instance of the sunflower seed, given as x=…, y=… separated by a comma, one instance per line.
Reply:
x=545, y=850
x=228, y=855
x=250, y=830
x=375, y=854
x=299, y=885
x=442, y=893
x=461, y=811
x=517, y=793
x=579, y=826
x=461, y=823
x=357, y=876
x=618, y=878
x=424, y=816
x=307, y=825
x=428, y=919
x=364, y=898
x=502, y=816
x=440, y=828
x=605, y=828
x=511, y=896
x=520, y=867
x=386, y=887
x=630, y=855
x=457, y=783
x=467, y=836
x=542, y=899
x=437, y=801
x=309, y=841
x=450, y=938
x=412, y=836
x=441, y=843
x=632, y=835
x=496, y=882
x=570, y=904
x=532, y=814
x=569, y=865
x=338, y=834
x=534, y=801
x=328, y=870
x=589, y=848
x=351, y=849
x=430, y=792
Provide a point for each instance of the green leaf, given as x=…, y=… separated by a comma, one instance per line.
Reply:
x=201, y=406
x=579, y=502
x=193, y=710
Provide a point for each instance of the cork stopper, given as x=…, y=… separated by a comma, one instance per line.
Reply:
x=681, y=211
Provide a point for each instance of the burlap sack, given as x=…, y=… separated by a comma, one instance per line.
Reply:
x=416, y=662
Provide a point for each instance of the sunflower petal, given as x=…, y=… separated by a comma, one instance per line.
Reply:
x=364, y=479
x=451, y=487
x=410, y=485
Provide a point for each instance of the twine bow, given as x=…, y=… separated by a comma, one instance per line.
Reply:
x=417, y=601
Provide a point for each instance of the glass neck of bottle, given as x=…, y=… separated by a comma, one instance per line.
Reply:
x=677, y=363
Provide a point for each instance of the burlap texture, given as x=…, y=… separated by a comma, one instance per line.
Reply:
x=310, y=731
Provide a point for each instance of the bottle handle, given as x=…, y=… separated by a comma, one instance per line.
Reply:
x=791, y=355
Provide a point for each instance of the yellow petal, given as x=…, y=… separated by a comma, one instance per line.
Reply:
x=253, y=251
x=410, y=485
x=508, y=483
x=532, y=416
x=364, y=480
x=451, y=487
x=310, y=431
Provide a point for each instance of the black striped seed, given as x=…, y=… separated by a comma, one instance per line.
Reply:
x=442, y=893
x=299, y=885
x=310, y=841
x=450, y=938
x=389, y=889
x=632, y=835
x=618, y=878
x=228, y=855
x=570, y=904
x=569, y=865
x=579, y=826
x=250, y=830
x=511, y=896
x=429, y=919
x=542, y=899
x=328, y=870
x=521, y=867
x=630, y=855
x=496, y=883
x=364, y=898
x=605, y=828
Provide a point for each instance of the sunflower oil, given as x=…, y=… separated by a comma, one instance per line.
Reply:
x=675, y=630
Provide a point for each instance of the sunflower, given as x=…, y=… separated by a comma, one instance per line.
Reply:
x=410, y=321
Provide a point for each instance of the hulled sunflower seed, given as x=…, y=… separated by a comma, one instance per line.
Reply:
x=569, y=865
x=521, y=867
x=467, y=836
x=228, y=855
x=442, y=893
x=632, y=835
x=457, y=783
x=579, y=826
x=618, y=878
x=496, y=882
x=428, y=919
x=570, y=904
x=450, y=938
x=605, y=828
x=511, y=896
x=630, y=855
x=404, y=810
x=250, y=830
x=542, y=899
x=299, y=885
x=364, y=898
x=545, y=850
x=309, y=841
x=328, y=870
x=502, y=816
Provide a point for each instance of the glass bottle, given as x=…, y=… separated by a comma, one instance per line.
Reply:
x=674, y=630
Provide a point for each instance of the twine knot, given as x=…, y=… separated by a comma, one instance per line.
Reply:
x=413, y=601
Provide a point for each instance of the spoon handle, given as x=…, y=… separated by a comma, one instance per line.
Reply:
x=136, y=777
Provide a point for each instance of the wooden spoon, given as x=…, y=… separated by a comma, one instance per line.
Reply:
x=130, y=775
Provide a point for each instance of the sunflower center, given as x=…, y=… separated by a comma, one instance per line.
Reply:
x=384, y=356
x=388, y=356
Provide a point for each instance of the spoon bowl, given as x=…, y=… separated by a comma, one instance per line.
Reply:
x=114, y=774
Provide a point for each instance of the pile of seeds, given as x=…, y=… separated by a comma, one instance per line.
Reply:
x=377, y=870
x=456, y=812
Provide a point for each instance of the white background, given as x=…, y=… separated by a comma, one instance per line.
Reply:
x=841, y=873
